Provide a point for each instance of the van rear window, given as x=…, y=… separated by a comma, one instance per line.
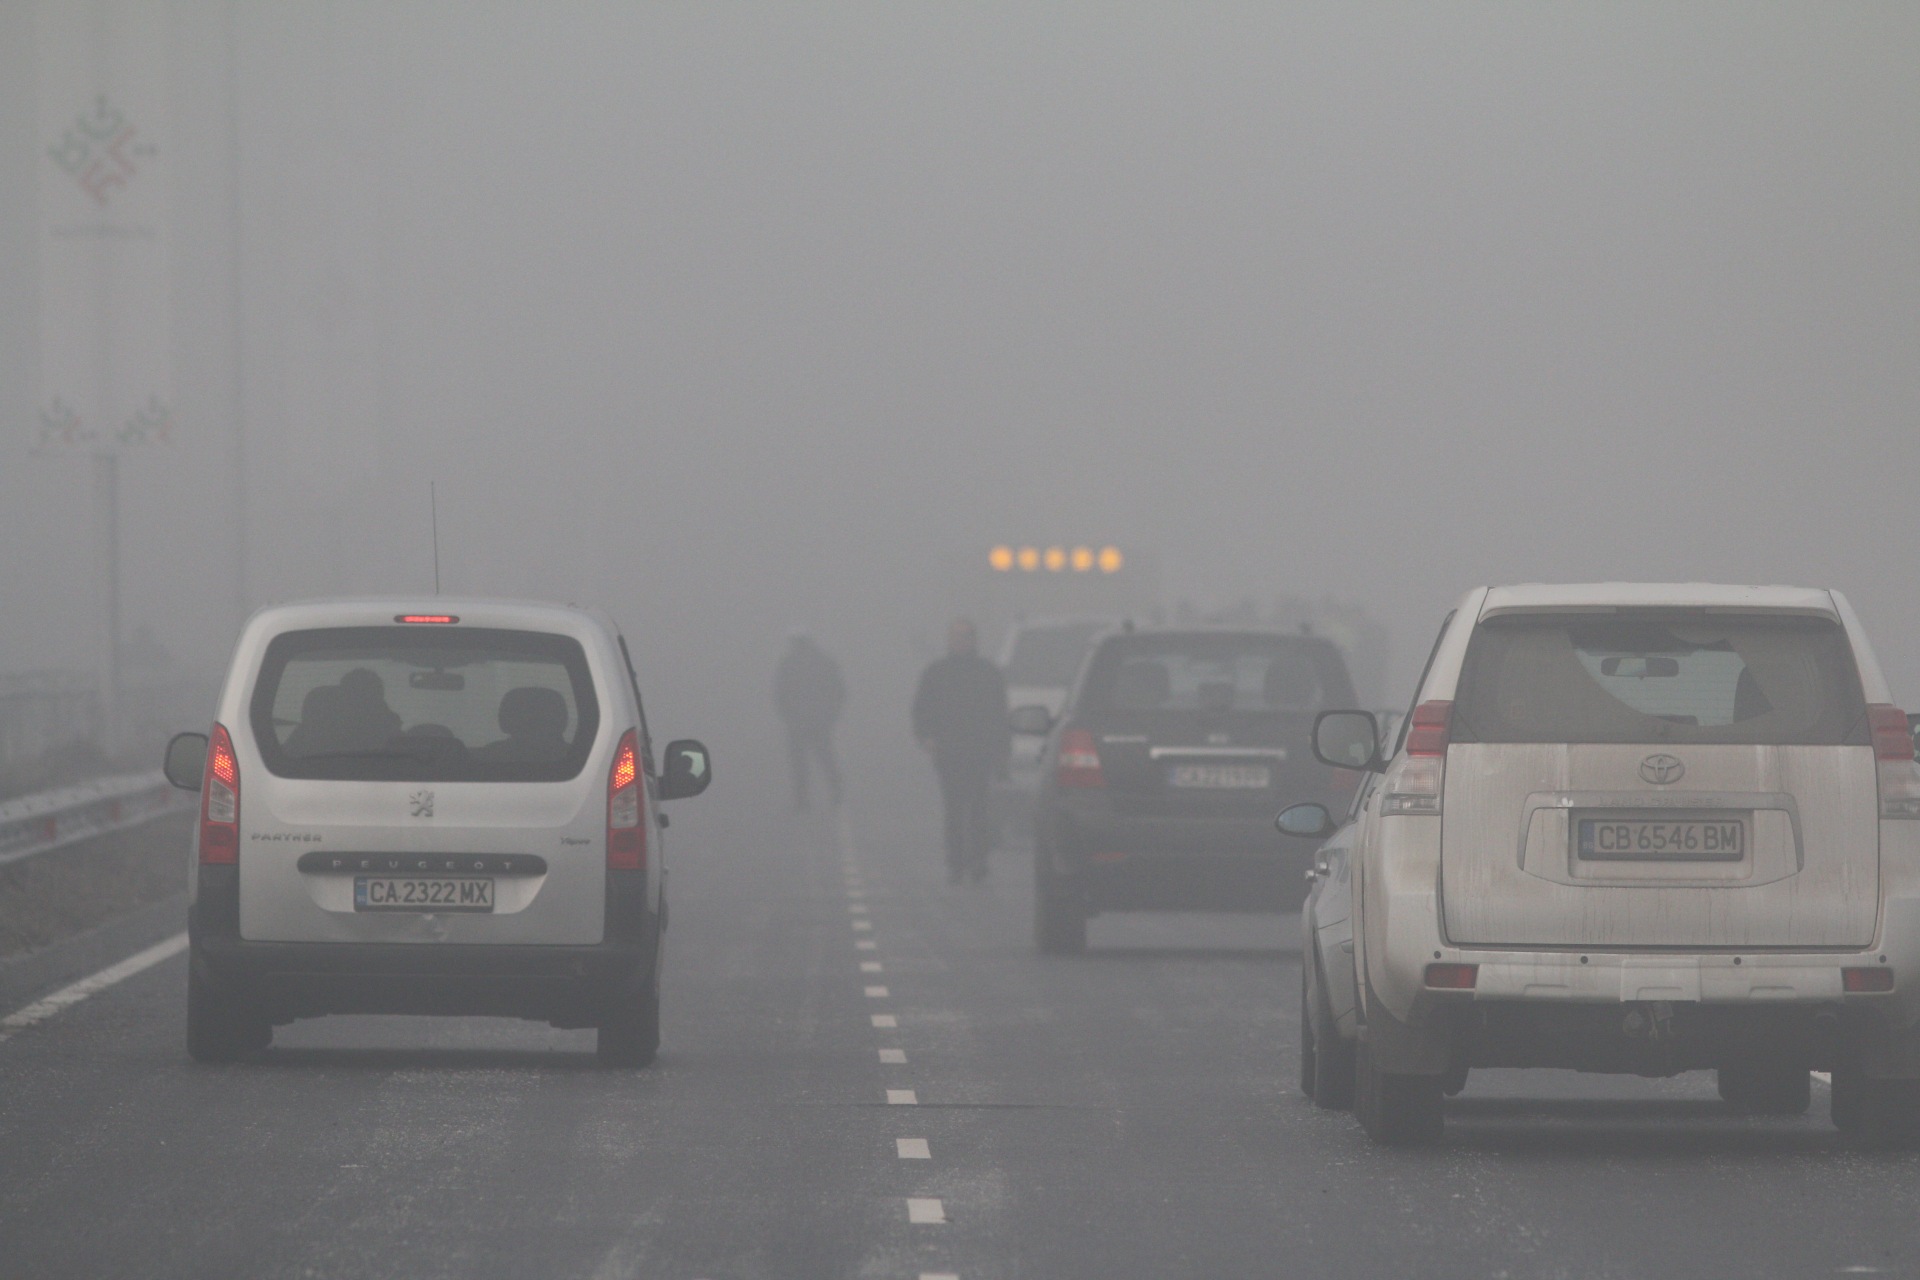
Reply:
x=1660, y=676
x=402, y=704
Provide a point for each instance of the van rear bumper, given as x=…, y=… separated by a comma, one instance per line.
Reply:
x=568, y=986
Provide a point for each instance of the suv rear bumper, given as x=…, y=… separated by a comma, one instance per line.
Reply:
x=1139, y=862
x=1656, y=1014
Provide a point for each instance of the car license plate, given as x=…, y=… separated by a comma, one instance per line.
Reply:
x=1220, y=776
x=1662, y=838
x=422, y=893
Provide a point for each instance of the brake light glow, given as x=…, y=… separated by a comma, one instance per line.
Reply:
x=1078, y=764
x=626, y=834
x=427, y=617
x=1452, y=977
x=1866, y=981
x=1432, y=726
x=220, y=802
x=1892, y=740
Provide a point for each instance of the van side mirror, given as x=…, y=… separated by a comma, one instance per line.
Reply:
x=1031, y=722
x=686, y=770
x=1306, y=821
x=186, y=760
x=1347, y=740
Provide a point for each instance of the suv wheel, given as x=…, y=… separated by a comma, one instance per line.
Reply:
x=218, y=1028
x=1323, y=1052
x=629, y=1036
x=1059, y=919
x=1396, y=1110
x=1768, y=1088
x=1883, y=1113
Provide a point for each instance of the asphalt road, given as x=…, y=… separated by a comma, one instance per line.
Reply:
x=1129, y=1114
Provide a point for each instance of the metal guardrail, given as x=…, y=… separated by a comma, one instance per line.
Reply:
x=49, y=820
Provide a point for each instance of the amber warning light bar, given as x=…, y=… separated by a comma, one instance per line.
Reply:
x=1005, y=559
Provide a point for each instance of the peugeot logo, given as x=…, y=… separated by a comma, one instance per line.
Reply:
x=1661, y=769
x=422, y=801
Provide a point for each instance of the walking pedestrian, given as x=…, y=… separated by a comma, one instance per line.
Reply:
x=960, y=720
x=808, y=694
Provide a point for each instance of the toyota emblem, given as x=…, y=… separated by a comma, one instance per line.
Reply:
x=1661, y=769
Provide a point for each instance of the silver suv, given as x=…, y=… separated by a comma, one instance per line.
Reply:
x=1626, y=828
x=448, y=808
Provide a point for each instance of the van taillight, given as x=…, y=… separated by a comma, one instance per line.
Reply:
x=626, y=836
x=1432, y=725
x=220, y=802
x=1078, y=764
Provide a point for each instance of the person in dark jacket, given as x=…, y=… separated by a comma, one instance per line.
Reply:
x=808, y=694
x=960, y=719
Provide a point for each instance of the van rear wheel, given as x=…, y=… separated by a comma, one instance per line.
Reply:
x=629, y=1036
x=219, y=1029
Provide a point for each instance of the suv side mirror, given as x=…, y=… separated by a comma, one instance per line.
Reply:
x=186, y=761
x=686, y=770
x=1307, y=821
x=1347, y=740
x=1031, y=722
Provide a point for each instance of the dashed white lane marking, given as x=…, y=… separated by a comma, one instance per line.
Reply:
x=856, y=908
x=871, y=966
x=861, y=926
x=925, y=1211
x=1824, y=1078
x=913, y=1148
x=901, y=1098
x=877, y=993
x=894, y=1057
x=885, y=1020
x=866, y=944
x=854, y=890
x=66, y=997
x=939, y=1275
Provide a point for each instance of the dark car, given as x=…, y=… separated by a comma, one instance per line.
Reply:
x=1162, y=773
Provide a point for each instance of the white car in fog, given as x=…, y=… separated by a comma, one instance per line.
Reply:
x=438, y=808
x=1626, y=828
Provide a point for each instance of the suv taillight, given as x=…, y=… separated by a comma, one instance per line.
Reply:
x=220, y=802
x=1078, y=764
x=1893, y=752
x=1413, y=786
x=626, y=835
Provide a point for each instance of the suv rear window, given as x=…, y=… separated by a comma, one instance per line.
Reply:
x=409, y=704
x=1217, y=672
x=1049, y=657
x=1658, y=676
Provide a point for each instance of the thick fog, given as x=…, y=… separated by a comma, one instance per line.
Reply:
x=736, y=319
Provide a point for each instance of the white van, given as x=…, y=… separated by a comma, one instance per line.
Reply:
x=1627, y=828
x=445, y=807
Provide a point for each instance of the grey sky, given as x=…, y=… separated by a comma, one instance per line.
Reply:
x=735, y=317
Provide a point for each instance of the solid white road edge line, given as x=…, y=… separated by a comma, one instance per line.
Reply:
x=66, y=997
x=913, y=1148
x=925, y=1211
